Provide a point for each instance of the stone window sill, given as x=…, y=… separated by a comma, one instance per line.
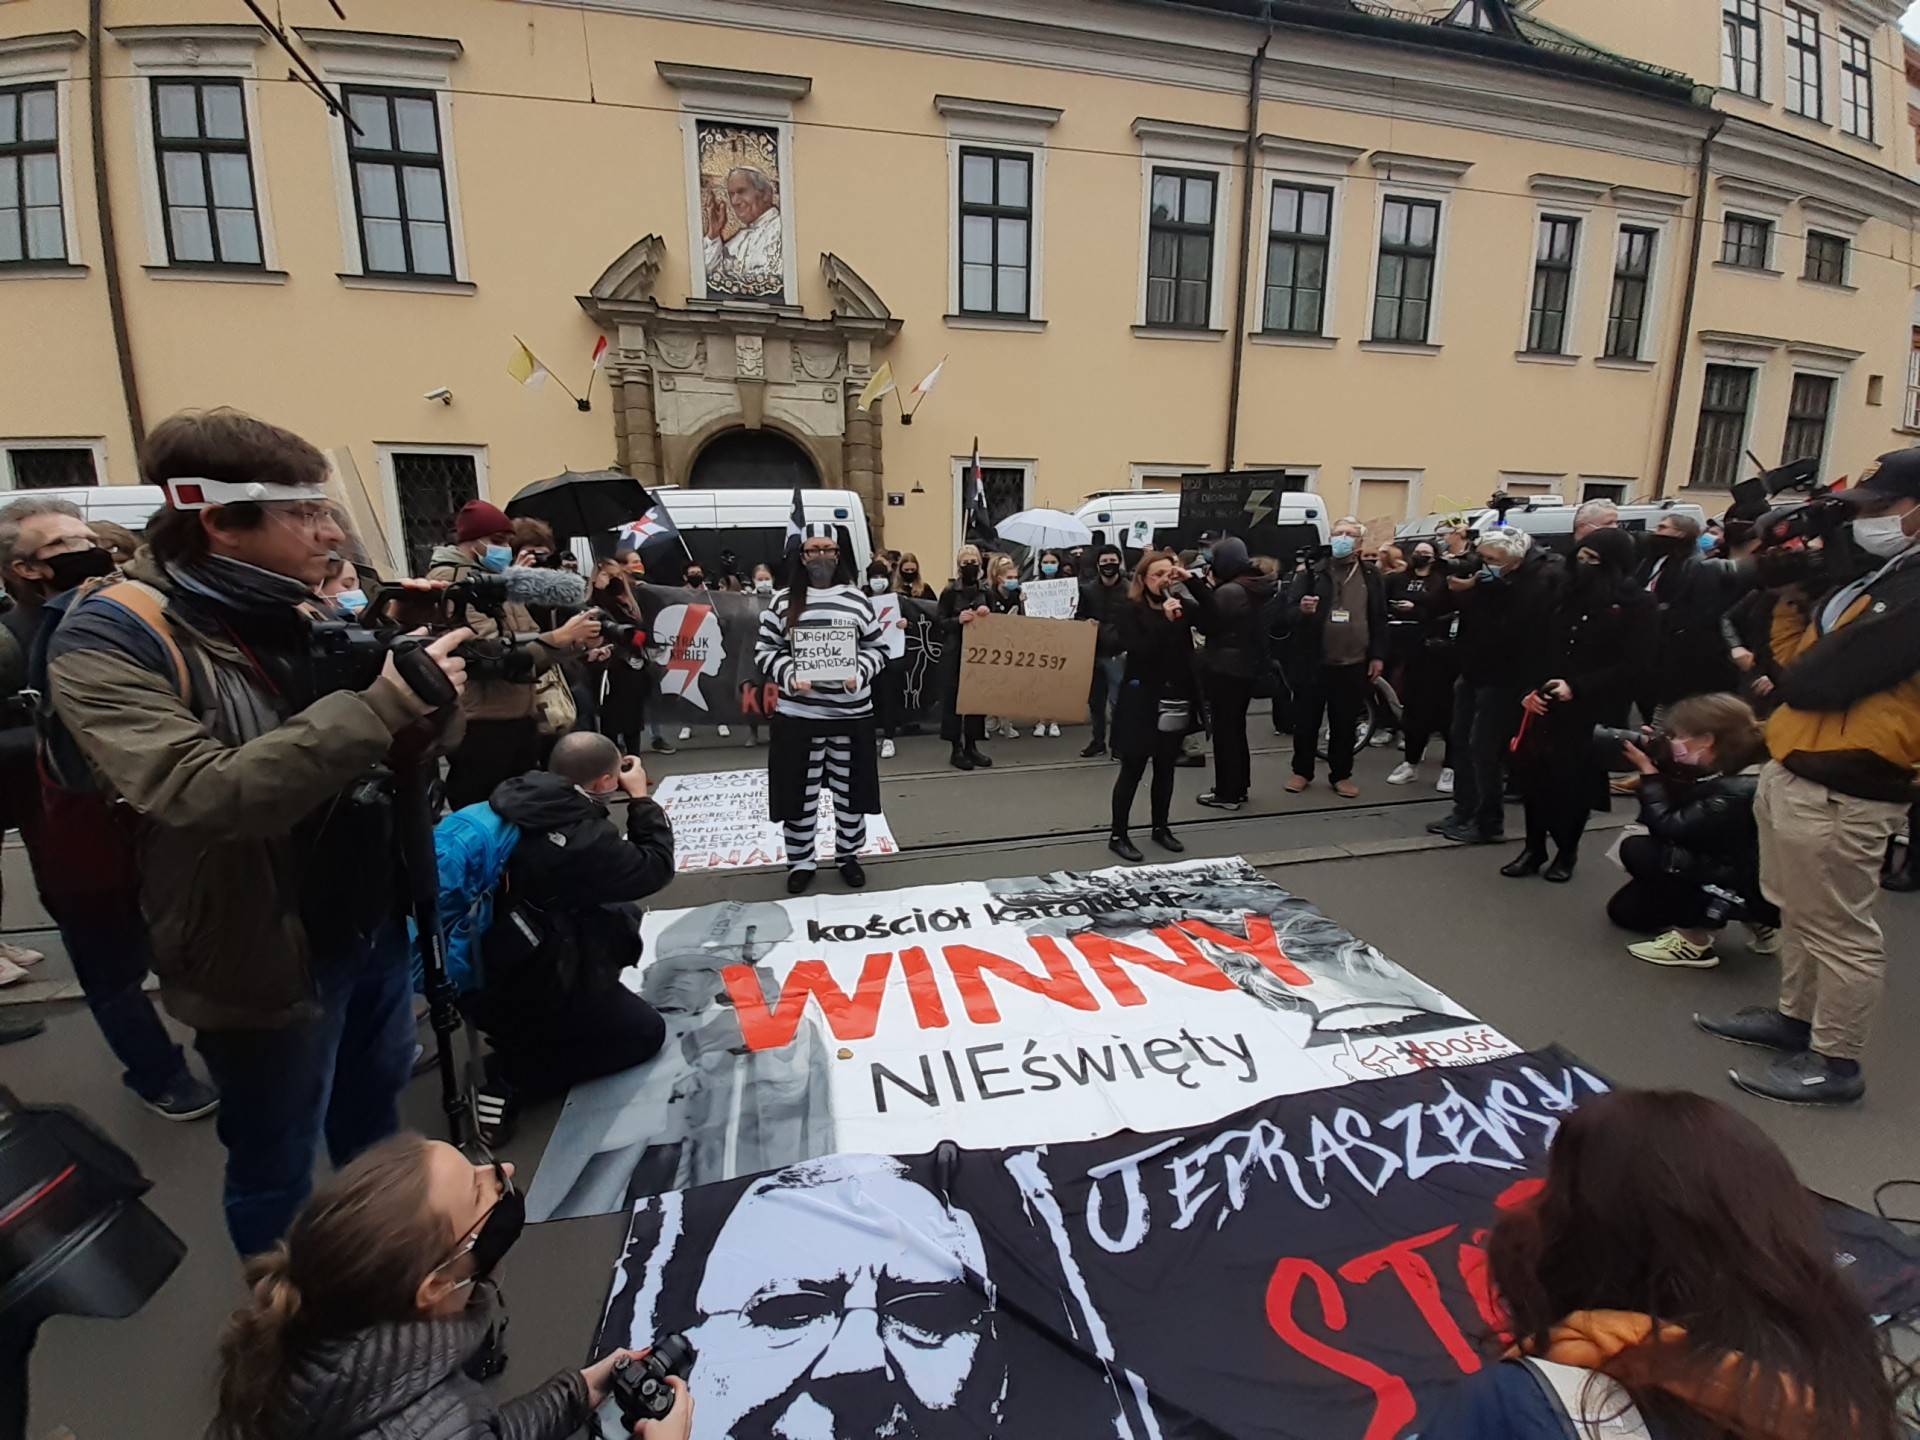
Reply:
x=219, y=274
x=413, y=284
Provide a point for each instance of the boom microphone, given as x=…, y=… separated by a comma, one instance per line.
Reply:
x=545, y=589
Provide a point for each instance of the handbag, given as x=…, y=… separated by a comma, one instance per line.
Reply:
x=553, y=709
x=1176, y=717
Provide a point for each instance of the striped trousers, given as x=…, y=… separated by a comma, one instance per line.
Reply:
x=829, y=760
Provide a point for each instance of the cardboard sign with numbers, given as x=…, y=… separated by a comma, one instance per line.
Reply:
x=1026, y=669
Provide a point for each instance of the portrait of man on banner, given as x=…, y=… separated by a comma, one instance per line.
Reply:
x=740, y=220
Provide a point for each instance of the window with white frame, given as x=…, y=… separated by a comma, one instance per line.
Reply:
x=32, y=229
x=1746, y=241
x=996, y=232
x=1600, y=487
x=1299, y=235
x=426, y=488
x=1632, y=281
x=1181, y=214
x=1740, y=46
x=1809, y=407
x=399, y=182
x=1721, y=437
x=1552, y=284
x=1912, y=414
x=205, y=163
x=1008, y=485
x=1856, y=84
x=1826, y=258
x=1403, y=286
x=1806, y=92
x=50, y=464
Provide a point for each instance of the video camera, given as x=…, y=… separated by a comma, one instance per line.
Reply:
x=1787, y=532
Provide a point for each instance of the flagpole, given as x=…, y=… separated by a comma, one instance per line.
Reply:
x=578, y=402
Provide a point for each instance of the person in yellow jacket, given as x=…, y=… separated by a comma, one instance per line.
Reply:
x=1845, y=744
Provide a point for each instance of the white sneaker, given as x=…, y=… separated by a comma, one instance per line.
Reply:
x=1040, y=732
x=1009, y=730
x=686, y=732
x=1763, y=940
x=11, y=973
x=1676, y=951
x=725, y=732
x=1405, y=773
x=1445, y=784
x=1382, y=738
x=20, y=955
x=1053, y=731
x=886, y=749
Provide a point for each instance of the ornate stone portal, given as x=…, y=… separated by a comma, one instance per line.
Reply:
x=682, y=377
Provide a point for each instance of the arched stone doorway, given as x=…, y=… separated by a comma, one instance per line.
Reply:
x=736, y=459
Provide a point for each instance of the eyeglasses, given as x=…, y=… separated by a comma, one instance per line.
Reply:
x=311, y=514
x=826, y=549
x=478, y=1156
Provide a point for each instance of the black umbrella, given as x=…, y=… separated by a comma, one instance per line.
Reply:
x=589, y=503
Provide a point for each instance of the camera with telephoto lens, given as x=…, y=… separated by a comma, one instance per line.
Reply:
x=348, y=654
x=1608, y=747
x=619, y=632
x=640, y=1386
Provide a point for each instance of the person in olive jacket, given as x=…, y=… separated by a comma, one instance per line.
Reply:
x=1337, y=613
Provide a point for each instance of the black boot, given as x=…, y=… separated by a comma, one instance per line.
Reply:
x=1120, y=845
x=960, y=759
x=979, y=759
x=1561, y=870
x=1527, y=862
x=1164, y=837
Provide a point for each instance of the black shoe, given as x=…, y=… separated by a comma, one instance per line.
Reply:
x=1214, y=800
x=1439, y=827
x=1527, y=862
x=661, y=747
x=188, y=1098
x=979, y=758
x=496, y=1113
x=1808, y=1078
x=1164, y=837
x=12, y=1030
x=852, y=872
x=1561, y=870
x=1758, y=1025
x=1124, y=848
x=1192, y=762
x=800, y=881
x=1466, y=832
x=1094, y=748
x=1900, y=881
x=960, y=759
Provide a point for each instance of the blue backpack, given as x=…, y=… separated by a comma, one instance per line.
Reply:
x=471, y=848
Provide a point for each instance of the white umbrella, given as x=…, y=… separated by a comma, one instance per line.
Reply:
x=1043, y=530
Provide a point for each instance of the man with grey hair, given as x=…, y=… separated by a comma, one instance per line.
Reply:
x=749, y=264
x=565, y=926
x=47, y=552
x=1504, y=615
x=1592, y=516
x=1337, y=612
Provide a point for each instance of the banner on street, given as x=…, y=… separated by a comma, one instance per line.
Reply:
x=1026, y=669
x=1016, y=1011
x=1051, y=599
x=720, y=822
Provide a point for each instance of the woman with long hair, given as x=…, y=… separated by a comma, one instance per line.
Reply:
x=965, y=600
x=822, y=731
x=622, y=706
x=363, y=1321
x=1158, y=691
x=907, y=579
x=1673, y=1266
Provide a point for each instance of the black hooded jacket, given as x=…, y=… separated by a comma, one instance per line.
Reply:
x=1238, y=613
x=575, y=868
x=404, y=1382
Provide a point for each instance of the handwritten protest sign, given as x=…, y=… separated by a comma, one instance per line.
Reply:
x=720, y=822
x=1026, y=669
x=1052, y=599
x=826, y=654
x=886, y=609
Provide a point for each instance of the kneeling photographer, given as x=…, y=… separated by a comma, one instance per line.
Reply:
x=262, y=802
x=376, y=1313
x=1844, y=743
x=1698, y=865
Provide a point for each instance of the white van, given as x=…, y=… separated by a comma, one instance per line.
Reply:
x=1549, y=519
x=128, y=505
x=1138, y=519
x=751, y=526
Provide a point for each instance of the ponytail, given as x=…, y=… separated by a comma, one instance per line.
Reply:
x=354, y=1258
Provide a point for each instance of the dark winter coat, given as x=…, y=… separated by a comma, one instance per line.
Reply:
x=1692, y=593
x=1503, y=633
x=1706, y=828
x=404, y=1382
x=1160, y=666
x=1426, y=624
x=575, y=868
x=1236, y=620
x=1102, y=603
x=1309, y=632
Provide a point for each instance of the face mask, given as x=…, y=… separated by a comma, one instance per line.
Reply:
x=1706, y=543
x=696, y=580
x=969, y=573
x=763, y=585
x=75, y=567
x=1048, y=567
x=877, y=584
x=909, y=575
x=1489, y=574
x=1669, y=545
x=820, y=573
x=1010, y=585
x=352, y=601
x=1342, y=546
x=496, y=1234
x=1110, y=568
x=1685, y=754
x=1423, y=563
x=1882, y=535
x=496, y=558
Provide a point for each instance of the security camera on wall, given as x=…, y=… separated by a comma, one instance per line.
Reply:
x=442, y=394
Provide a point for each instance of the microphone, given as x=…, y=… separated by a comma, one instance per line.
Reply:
x=545, y=589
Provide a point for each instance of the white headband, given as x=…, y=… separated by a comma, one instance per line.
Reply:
x=195, y=492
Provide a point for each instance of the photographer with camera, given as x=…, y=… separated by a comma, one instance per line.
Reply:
x=264, y=809
x=1844, y=743
x=373, y=1315
x=1693, y=591
x=563, y=928
x=1698, y=865
x=1505, y=597
x=503, y=736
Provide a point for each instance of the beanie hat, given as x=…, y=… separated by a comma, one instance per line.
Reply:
x=478, y=519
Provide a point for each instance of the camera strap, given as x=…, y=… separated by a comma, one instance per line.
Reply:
x=144, y=603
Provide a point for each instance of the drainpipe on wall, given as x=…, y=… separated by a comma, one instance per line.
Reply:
x=1678, y=369
x=109, y=247
x=1246, y=241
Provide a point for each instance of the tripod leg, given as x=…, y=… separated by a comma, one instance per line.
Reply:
x=415, y=818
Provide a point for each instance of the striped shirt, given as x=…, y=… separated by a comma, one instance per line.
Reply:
x=836, y=605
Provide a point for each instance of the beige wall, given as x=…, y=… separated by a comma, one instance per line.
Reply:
x=552, y=188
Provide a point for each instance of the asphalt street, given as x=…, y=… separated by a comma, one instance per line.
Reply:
x=1539, y=961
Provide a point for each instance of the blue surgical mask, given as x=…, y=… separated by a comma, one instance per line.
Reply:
x=496, y=558
x=1010, y=585
x=1048, y=567
x=352, y=601
x=1342, y=546
x=1706, y=542
x=1489, y=574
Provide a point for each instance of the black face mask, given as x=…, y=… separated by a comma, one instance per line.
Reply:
x=1669, y=546
x=695, y=580
x=500, y=1229
x=1109, y=568
x=76, y=567
x=969, y=573
x=1422, y=564
x=909, y=575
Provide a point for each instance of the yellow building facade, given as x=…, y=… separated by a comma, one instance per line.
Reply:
x=1413, y=257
